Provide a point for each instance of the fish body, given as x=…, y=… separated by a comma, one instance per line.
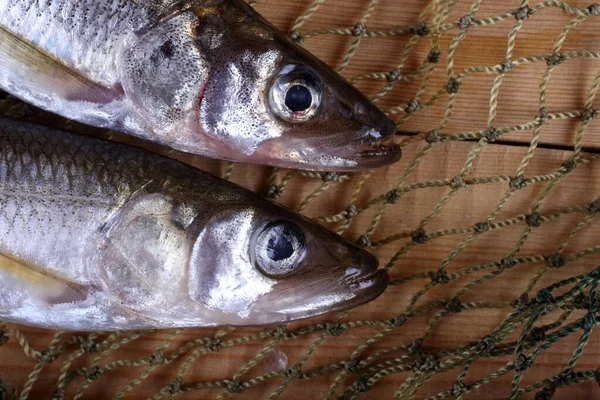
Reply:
x=209, y=77
x=100, y=236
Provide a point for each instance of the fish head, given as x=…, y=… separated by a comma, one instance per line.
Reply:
x=260, y=264
x=231, y=85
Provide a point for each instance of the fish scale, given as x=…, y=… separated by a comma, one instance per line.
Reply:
x=85, y=34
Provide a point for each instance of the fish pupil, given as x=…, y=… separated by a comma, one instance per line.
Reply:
x=298, y=98
x=279, y=248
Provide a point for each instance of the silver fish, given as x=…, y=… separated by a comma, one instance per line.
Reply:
x=209, y=77
x=100, y=236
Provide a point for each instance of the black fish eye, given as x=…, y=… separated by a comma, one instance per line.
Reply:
x=279, y=249
x=298, y=98
x=296, y=95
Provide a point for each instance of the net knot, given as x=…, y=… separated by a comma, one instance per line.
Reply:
x=518, y=182
x=568, y=166
x=457, y=182
x=594, y=9
x=175, y=386
x=487, y=344
x=466, y=21
x=398, y=320
x=359, y=29
x=351, y=212
x=413, y=106
x=90, y=346
x=544, y=296
x=363, y=242
x=522, y=13
x=453, y=86
x=295, y=372
x=457, y=389
x=214, y=344
x=537, y=334
x=506, y=263
x=415, y=348
x=158, y=357
x=330, y=177
x=454, y=306
x=93, y=373
x=506, y=65
x=296, y=37
x=426, y=363
x=434, y=56
x=392, y=196
x=3, y=337
x=353, y=366
x=593, y=208
x=235, y=387
x=564, y=378
x=522, y=300
x=433, y=137
x=362, y=384
x=595, y=274
x=491, y=134
x=523, y=362
x=555, y=59
x=273, y=192
x=280, y=332
x=542, y=116
x=334, y=328
x=47, y=356
x=545, y=394
x=534, y=219
x=420, y=29
x=440, y=277
x=481, y=227
x=589, y=321
x=555, y=261
x=419, y=236
x=394, y=75
x=58, y=394
x=589, y=114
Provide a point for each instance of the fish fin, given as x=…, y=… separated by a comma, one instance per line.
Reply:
x=47, y=286
x=41, y=73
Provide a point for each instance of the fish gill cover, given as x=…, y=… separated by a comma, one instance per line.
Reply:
x=488, y=227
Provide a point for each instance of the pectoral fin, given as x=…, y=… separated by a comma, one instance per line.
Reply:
x=45, y=285
x=43, y=74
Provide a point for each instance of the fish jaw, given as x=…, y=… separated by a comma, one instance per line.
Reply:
x=367, y=149
x=349, y=287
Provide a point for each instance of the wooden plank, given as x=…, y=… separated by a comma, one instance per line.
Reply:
x=518, y=101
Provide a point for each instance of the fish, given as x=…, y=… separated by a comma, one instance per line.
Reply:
x=96, y=235
x=206, y=77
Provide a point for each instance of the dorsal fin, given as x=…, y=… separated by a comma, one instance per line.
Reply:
x=27, y=65
x=46, y=285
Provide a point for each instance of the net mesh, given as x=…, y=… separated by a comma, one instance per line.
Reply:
x=492, y=252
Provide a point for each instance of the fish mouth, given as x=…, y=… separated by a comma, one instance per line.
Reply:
x=354, y=286
x=367, y=149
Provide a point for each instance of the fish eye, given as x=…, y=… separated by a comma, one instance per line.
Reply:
x=295, y=96
x=280, y=249
x=298, y=98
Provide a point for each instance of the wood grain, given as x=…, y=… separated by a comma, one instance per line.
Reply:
x=518, y=103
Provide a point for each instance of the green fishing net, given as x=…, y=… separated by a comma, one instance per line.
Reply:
x=487, y=226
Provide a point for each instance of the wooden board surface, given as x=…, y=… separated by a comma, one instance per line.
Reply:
x=518, y=103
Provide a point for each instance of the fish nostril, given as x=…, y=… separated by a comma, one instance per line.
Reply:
x=389, y=128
